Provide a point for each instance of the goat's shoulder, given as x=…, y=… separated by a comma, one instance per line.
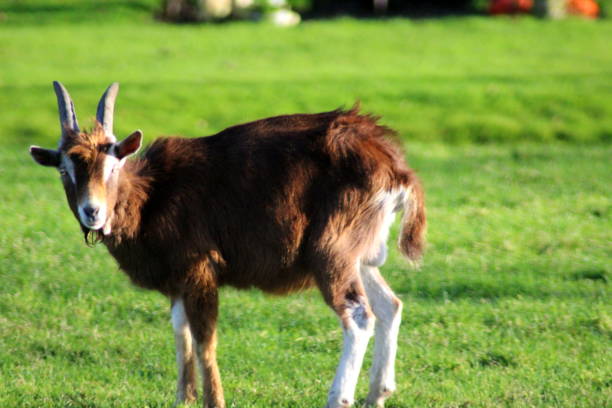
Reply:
x=172, y=151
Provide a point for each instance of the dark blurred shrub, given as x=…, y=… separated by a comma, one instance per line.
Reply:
x=300, y=5
x=392, y=7
x=402, y=7
x=606, y=8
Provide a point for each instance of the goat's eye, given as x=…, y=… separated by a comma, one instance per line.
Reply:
x=62, y=171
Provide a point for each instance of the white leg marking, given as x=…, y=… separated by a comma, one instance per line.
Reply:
x=186, y=385
x=388, y=311
x=357, y=333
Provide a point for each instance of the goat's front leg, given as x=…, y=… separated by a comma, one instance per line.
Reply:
x=357, y=322
x=186, y=389
x=201, y=306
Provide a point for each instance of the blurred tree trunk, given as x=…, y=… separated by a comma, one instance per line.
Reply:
x=195, y=10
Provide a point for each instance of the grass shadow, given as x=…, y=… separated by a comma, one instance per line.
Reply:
x=44, y=12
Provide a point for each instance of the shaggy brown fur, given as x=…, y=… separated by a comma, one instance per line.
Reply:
x=264, y=201
x=280, y=204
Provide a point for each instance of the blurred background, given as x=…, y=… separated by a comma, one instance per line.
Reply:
x=503, y=107
x=452, y=71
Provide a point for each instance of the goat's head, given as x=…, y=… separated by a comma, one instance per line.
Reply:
x=89, y=162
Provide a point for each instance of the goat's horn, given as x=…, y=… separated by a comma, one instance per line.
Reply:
x=68, y=120
x=106, y=109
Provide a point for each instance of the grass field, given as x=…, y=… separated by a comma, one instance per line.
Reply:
x=512, y=305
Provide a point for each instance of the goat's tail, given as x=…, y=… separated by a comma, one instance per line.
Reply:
x=414, y=222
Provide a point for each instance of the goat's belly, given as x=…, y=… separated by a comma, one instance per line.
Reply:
x=151, y=279
x=146, y=271
x=279, y=281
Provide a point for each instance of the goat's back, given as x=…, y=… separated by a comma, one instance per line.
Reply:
x=271, y=202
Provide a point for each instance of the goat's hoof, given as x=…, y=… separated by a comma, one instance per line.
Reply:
x=214, y=403
x=376, y=399
x=185, y=402
x=339, y=403
x=186, y=399
x=373, y=402
x=380, y=403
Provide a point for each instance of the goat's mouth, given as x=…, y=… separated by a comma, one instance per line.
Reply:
x=93, y=225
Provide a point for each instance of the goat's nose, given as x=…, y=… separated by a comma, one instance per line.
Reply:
x=91, y=212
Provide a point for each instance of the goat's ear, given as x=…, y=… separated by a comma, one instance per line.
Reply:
x=45, y=157
x=129, y=145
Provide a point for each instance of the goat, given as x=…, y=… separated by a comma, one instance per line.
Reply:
x=281, y=204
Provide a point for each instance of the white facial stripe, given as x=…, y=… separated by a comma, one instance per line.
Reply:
x=110, y=163
x=69, y=167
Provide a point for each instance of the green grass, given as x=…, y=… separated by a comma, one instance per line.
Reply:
x=512, y=305
x=458, y=80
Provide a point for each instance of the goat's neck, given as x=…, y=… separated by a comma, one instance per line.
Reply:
x=124, y=221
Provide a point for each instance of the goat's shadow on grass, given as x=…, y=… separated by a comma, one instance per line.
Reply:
x=361, y=403
x=475, y=290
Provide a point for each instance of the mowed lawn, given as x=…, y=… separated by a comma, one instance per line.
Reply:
x=507, y=121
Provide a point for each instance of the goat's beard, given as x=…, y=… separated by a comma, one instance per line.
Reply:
x=92, y=237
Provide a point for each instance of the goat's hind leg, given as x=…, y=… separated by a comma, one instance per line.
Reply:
x=357, y=324
x=185, y=360
x=388, y=311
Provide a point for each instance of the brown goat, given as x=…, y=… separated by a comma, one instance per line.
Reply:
x=280, y=204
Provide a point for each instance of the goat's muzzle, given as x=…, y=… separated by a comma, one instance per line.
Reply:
x=92, y=215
